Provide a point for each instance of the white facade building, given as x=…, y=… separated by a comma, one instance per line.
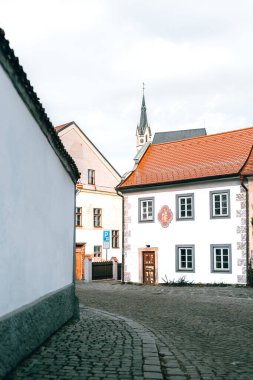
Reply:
x=188, y=207
x=98, y=206
x=37, y=224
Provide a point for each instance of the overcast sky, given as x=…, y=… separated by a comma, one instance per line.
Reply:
x=87, y=59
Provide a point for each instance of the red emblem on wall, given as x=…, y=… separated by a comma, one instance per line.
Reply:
x=165, y=216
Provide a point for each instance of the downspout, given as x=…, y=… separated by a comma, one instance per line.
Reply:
x=123, y=226
x=76, y=300
x=242, y=178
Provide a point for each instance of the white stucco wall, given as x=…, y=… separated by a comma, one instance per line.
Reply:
x=201, y=232
x=111, y=205
x=36, y=208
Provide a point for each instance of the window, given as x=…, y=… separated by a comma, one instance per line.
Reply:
x=185, y=257
x=91, y=177
x=97, y=217
x=78, y=216
x=185, y=206
x=146, y=210
x=97, y=250
x=220, y=204
x=221, y=258
x=115, y=238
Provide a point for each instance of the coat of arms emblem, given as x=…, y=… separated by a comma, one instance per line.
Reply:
x=165, y=216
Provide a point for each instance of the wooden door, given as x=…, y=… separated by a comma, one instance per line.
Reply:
x=80, y=253
x=148, y=267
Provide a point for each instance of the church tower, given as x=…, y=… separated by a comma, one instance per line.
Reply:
x=143, y=131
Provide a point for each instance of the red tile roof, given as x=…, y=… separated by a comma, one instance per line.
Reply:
x=215, y=155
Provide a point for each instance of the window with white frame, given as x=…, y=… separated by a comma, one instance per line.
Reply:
x=97, y=250
x=146, y=210
x=185, y=206
x=185, y=258
x=220, y=204
x=221, y=258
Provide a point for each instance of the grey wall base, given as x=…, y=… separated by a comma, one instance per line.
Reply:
x=27, y=328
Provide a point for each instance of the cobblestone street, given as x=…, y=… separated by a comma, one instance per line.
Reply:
x=150, y=332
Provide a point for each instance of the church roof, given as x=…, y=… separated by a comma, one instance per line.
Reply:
x=161, y=137
x=212, y=156
x=10, y=64
x=143, y=118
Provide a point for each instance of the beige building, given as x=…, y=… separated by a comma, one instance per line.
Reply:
x=98, y=206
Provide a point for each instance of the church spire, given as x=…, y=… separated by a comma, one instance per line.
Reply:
x=143, y=131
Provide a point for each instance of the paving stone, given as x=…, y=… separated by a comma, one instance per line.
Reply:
x=153, y=375
x=193, y=333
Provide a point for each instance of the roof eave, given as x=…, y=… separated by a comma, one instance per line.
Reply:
x=160, y=185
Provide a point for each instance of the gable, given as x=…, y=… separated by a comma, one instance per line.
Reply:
x=87, y=156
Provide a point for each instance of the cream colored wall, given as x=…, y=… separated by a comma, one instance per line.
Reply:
x=87, y=157
x=111, y=205
x=101, y=195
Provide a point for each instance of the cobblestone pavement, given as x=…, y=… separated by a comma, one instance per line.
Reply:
x=150, y=332
x=202, y=332
x=99, y=346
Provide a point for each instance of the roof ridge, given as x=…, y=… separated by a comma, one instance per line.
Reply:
x=203, y=137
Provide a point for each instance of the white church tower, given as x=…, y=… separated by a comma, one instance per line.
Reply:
x=143, y=131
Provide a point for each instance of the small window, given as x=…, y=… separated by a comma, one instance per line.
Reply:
x=220, y=204
x=115, y=238
x=91, y=177
x=146, y=210
x=97, y=250
x=185, y=206
x=185, y=258
x=221, y=258
x=97, y=217
x=78, y=216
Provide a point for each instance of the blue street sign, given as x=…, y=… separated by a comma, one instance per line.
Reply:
x=106, y=239
x=106, y=235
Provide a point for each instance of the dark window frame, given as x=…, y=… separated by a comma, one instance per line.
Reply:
x=97, y=253
x=115, y=238
x=178, y=250
x=97, y=217
x=221, y=247
x=79, y=214
x=91, y=177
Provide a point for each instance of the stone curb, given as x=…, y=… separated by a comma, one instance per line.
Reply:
x=151, y=361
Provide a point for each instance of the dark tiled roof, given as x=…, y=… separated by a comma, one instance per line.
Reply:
x=212, y=156
x=161, y=137
x=143, y=118
x=18, y=77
